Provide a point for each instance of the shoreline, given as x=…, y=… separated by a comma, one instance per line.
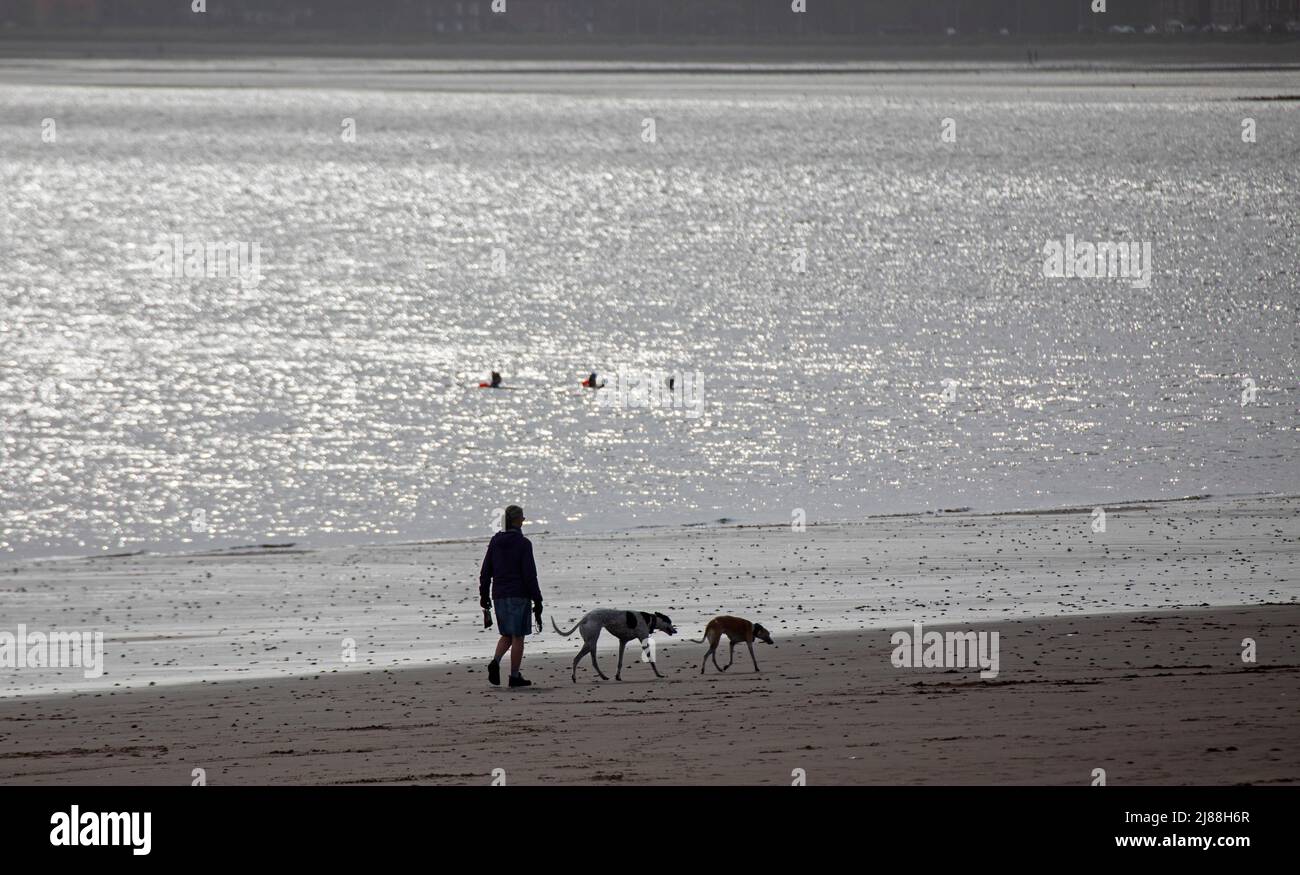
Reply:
x=1152, y=698
x=301, y=546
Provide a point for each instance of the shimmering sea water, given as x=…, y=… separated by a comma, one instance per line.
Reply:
x=809, y=245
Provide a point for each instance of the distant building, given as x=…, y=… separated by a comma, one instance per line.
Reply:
x=58, y=12
x=1249, y=14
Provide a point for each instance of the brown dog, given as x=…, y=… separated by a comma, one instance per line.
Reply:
x=736, y=630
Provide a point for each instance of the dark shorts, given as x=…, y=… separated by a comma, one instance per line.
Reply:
x=514, y=616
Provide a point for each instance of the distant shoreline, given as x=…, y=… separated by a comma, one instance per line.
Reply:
x=1230, y=70
x=1110, y=51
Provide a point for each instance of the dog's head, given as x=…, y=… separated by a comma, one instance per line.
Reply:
x=663, y=624
x=763, y=635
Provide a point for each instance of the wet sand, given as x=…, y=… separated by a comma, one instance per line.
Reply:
x=1151, y=698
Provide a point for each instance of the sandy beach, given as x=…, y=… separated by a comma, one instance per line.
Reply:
x=1151, y=698
x=264, y=612
x=1120, y=650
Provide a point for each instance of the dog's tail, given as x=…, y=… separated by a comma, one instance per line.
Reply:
x=562, y=632
x=706, y=635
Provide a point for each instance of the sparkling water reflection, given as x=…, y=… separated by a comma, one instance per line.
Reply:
x=336, y=401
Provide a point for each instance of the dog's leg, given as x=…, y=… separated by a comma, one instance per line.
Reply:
x=751, y=655
x=622, y=644
x=731, y=653
x=593, y=661
x=713, y=646
x=652, y=662
x=714, y=651
x=577, y=659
